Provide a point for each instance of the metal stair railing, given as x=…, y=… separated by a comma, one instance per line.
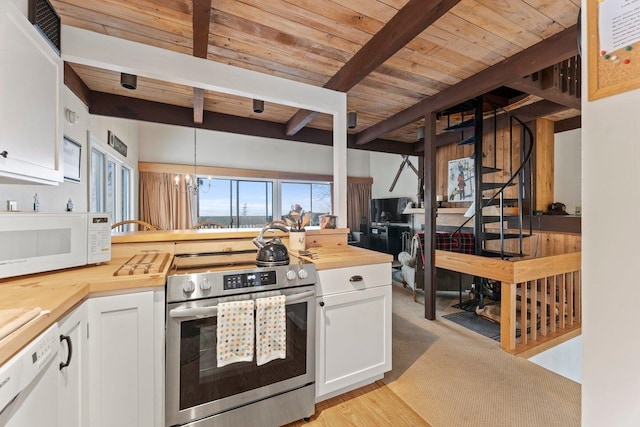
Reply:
x=527, y=145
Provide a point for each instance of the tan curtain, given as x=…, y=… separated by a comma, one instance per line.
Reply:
x=358, y=196
x=161, y=204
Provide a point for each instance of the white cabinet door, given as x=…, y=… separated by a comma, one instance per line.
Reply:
x=31, y=82
x=122, y=360
x=72, y=369
x=354, y=338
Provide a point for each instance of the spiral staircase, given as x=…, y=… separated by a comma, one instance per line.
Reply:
x=503, y=194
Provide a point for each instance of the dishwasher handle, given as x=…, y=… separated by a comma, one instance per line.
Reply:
x=203, y=312
x=66, y=338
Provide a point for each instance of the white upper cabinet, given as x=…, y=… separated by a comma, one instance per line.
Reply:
x=31, y=82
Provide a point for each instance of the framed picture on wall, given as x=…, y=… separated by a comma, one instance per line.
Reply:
x=461, y=180
x=71, y=155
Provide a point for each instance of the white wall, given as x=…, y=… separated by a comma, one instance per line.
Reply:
x=54, y=198
x=173, y=144
x=384, y=168
x=610, y=202
x=567, y=169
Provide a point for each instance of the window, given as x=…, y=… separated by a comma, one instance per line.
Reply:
x=111, y=183
x=314, y=198
x=246, y=203
x=237, y=203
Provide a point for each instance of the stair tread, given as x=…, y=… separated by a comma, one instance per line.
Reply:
x=494, y=185
x=490, y=169
x=467, y=124
x=496, y=201
x=468, y=141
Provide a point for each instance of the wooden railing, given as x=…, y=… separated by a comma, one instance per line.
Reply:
x=540, y=297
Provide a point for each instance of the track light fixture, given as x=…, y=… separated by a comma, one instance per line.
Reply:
x=258, y=106
x=129, y=81
x=352, y=120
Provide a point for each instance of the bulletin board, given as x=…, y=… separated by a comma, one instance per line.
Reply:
x=613, y=42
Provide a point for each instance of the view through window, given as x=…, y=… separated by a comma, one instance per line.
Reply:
x=253, y=203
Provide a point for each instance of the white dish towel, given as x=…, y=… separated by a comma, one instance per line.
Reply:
x=235, y=332
x=271, y=329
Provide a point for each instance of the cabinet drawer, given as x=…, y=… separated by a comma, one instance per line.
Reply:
x=353, y=278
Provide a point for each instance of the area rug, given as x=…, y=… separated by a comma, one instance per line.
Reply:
x=454, y=377
x=479, y=324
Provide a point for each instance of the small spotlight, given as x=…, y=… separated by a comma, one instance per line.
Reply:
x=352, y=120
x=258, y=106
x=129, y=81
x=421, y=132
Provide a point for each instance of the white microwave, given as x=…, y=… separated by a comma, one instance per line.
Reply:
x=33, y=242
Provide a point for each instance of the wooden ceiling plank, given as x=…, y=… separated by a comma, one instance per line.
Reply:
x=521, y=13
x=484, y=17
x=548, y=52
x=405, y=25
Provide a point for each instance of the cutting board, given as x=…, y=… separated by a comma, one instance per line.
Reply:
x=13, y=318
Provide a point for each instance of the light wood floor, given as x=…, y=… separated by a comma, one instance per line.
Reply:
x=372, y=405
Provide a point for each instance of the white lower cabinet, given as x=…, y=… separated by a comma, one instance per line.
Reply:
x=353, y=328
x=125, y=379
x=72, y=369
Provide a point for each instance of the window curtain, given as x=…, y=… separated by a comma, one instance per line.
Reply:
x=164, y=205
x=358, y=196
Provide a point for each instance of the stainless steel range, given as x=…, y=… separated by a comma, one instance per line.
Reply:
x=198, y=391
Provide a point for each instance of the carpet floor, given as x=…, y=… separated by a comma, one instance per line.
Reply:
x=452, y=376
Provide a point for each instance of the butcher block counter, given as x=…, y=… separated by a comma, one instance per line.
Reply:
x=131, y=269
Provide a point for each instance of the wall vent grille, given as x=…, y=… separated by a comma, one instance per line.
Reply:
x=45, y=18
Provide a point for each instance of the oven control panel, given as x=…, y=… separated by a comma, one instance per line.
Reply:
x=200, y=285
x=248, y=280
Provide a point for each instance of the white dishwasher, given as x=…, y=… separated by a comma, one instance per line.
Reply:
x=29, y=383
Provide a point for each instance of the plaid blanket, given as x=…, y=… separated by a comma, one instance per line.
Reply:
x=458, y=242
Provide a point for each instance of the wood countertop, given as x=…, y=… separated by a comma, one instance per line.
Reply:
x=58, y=292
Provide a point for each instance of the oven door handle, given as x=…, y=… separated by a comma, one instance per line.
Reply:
x=202, y=312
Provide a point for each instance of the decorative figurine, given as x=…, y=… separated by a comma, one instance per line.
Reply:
x=36, y=203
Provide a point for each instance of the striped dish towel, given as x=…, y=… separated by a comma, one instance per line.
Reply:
x=271, y=329
x=235, y=332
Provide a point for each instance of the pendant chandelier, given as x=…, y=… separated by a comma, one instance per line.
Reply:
x=192, y=182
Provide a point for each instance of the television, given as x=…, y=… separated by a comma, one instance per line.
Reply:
x=382, y=211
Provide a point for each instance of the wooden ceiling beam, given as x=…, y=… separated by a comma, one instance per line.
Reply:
x=568, y=124
x=405, y=25
x=105, y=104
x=550, y=51
x=201, y=17
x=73, y=81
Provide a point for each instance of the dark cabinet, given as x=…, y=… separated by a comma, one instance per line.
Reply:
x=387, y=238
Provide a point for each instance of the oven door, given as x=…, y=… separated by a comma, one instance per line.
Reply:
x=197, y=388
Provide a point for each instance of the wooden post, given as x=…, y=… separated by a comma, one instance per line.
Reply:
x=508, y=316
x=430, y=212
x=543, y=164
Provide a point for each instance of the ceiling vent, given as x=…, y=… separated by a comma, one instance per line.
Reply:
x=45, y=18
